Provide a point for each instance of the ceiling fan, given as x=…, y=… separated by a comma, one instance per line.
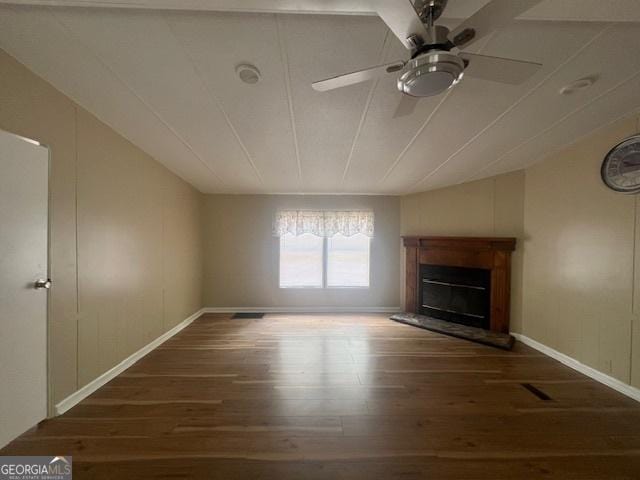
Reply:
x=437, y=62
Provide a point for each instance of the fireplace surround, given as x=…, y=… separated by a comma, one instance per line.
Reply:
x=463, y=280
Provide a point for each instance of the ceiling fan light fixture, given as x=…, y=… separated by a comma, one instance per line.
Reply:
x=431, y=74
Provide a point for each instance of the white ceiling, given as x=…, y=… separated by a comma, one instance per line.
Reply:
x=571, y=10
x=165, y=80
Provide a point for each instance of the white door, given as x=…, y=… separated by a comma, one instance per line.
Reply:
x=24, y=178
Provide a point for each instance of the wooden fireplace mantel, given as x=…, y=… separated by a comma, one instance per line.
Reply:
x=491, y=253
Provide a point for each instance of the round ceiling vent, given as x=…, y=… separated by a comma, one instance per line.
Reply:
x=577, y=86
x=248, y=73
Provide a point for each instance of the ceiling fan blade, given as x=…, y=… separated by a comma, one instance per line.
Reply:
x=402, y=20
x=406, y=106
x=494, y=15
x=498, y=69
x=357, y=77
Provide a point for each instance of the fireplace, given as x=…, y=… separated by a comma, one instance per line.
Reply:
x=457, y=294
x=464, y=280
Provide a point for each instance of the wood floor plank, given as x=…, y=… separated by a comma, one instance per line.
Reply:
x=345, y=397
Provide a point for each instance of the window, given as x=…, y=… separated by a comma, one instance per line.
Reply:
x=305, y=259
x=301, y=262
x=324, y=248
x=348, y=261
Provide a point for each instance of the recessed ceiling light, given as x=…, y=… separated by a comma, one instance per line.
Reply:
x=578, y=85
x=248, y=73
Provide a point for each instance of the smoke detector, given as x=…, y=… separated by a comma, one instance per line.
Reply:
x=248, y=73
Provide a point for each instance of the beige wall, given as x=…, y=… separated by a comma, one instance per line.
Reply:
x=575, y=272
x=241, y=267
x=126, y=243
x=489, y=207
x=580, y=256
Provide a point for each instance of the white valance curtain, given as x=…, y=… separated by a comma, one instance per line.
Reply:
x=324, y=223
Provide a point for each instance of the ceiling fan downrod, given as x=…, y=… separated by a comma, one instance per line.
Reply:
x=437, y=35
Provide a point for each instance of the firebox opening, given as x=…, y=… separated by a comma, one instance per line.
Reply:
x=456, y=294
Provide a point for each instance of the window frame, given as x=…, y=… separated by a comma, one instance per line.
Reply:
x=325, y=270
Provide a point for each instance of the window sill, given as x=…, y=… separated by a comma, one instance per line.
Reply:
x=323, y=288
x=346, y=288
x=299, y=288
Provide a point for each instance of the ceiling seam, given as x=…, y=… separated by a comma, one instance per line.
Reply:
x=512, y=106
x=216, y=100
x=178, y=7
x=200, y=7
x=365, y=110
x=494, y=194
x=558, y=148
x=306, y=193
x=100, y=60
x=284, y=58
x=634, y=282
x=558, y=122
x=425, y=124
x=413, y=139
x=634, y=258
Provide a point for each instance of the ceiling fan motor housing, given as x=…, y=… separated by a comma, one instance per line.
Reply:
x=431, y=73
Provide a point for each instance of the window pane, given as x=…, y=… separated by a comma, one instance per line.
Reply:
x=300, y=260
x=348, y=261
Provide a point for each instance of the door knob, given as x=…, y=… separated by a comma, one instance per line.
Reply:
x=41, y=283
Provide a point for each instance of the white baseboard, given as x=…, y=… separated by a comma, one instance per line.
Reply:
x=302, y=309
x=92, y=386
x=614, y=383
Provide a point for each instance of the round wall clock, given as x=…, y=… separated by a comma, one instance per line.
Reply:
x=621, y=167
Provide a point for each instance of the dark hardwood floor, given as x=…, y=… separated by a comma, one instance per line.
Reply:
x=309, y=397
